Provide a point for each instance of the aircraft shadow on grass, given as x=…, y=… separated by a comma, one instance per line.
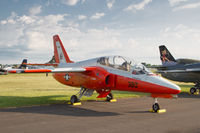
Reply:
x=55, y=109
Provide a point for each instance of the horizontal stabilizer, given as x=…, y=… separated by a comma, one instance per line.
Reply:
x=56, y=70
x=30, y=71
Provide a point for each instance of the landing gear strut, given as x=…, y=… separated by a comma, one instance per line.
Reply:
x=196, y=88
x=83, y=92
x=156, y=106
x=109, y=97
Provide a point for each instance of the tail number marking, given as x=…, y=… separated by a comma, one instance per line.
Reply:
x=133, y=84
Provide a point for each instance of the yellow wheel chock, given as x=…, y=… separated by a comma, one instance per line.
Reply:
x=159, y=111
x=74, y=104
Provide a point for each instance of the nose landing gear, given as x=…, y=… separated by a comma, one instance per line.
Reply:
x=156, y=107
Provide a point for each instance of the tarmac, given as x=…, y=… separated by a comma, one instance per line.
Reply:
x=124, y=116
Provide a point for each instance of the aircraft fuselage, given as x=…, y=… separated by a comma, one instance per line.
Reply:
x=107, y=77
x=183, y=77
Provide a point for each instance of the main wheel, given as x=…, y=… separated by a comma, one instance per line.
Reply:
x=73, y=99
x=109, y=97
x=156, y=107
x=193, y=90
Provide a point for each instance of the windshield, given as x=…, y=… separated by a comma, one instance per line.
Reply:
x=123, y=63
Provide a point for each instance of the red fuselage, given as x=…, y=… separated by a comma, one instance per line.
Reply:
x=101, y=79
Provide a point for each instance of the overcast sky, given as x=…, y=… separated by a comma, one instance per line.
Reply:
x=93, y=28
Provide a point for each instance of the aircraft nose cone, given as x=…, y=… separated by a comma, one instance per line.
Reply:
x=176, y=88
x=172, y=88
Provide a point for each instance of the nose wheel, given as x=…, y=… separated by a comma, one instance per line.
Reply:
x=156, y=107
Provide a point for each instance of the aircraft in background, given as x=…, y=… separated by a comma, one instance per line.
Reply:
x=105, y=74
x=10, y=69
x=182, y=70
x=3, y=72
x=49, y=63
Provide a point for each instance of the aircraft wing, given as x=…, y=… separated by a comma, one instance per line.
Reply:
x=56, y=70
x=181, y=71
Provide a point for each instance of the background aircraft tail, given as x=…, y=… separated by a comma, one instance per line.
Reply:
x=166, y=58
x=23, y=65
x=59, y=51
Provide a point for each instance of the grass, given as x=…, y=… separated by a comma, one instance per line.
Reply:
x=185, y=87
x=36, y=89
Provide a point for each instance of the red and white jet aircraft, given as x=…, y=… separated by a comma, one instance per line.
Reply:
x=105, y=74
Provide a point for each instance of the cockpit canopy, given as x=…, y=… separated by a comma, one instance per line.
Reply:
x=123, y=63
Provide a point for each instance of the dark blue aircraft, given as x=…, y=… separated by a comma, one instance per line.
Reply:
x=182, y=70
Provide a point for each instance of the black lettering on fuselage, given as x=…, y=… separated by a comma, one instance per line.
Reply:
x=133, y=84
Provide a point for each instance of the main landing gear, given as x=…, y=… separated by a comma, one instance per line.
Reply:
x=75, y=99
x=83, y=92
x=195, y=89
x=109, y=97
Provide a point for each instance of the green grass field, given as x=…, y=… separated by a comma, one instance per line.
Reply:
x=185, y=87
x=36, y=89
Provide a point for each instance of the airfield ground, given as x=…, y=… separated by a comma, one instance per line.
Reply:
x=128, y=115
x=51, y=114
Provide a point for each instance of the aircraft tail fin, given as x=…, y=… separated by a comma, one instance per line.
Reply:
x=166, y=58
x=23, y=65
x=59, y=51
